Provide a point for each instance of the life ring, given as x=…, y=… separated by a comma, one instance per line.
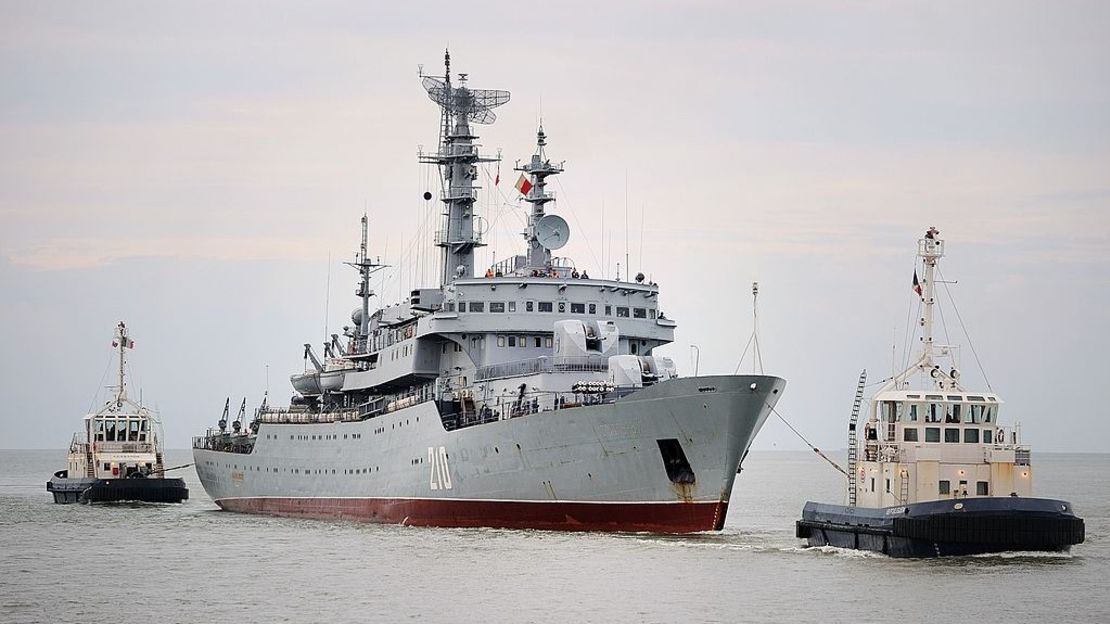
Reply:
x=1000, y=436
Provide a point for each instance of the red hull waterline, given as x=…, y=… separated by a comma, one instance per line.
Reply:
x=677, y=517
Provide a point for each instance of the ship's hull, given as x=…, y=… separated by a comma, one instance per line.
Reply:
x=84, y=490
x=601, y=467
x=959, y=527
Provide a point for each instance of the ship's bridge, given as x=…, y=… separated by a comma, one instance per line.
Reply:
x=909, y=417
x=533, y=304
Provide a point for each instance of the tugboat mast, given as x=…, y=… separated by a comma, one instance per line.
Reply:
x=457, y=159
x=930, y=249
x=122, y=341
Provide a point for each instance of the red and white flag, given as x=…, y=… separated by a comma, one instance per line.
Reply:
x=523, y=185
x=916, y=284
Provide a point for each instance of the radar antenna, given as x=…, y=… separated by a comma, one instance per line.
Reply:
x=457, y=158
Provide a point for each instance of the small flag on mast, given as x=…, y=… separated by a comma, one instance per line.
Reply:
x=523, y=185
x=916, y=284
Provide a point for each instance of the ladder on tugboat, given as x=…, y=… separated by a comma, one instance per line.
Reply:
x=90, y=467
x=853, y=450
x=904, y=495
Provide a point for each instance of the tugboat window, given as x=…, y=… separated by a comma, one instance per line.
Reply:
x=971, y=436
x=932, y=434
x=951, y=435
x=912, y=409
x=988, y=436
x=909, y=434
x=933, y=414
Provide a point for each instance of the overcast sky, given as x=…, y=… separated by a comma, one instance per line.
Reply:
x=191, y=168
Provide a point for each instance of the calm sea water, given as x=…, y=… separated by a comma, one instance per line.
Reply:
x=193, y=563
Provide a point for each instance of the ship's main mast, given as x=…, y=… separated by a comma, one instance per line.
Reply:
x=457, y=159
x=538, y=169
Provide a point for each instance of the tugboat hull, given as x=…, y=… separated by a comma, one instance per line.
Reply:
x=67, y=490
x=967, y=526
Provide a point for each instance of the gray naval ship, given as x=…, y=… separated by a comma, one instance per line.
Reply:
x=528, y=397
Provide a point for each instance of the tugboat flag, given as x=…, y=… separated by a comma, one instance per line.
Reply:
x=523, y=185
x=916, y=284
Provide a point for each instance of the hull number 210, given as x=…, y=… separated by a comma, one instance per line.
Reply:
x=441, y=474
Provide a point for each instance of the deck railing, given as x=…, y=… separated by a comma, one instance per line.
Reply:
x=543, y=364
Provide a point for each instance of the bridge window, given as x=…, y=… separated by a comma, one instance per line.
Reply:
x=911, y=412
x=909, y=434
x=522, y=341
x=545, y=306
x=988, y=413
x=651, y=313
x=622, y=312
x=988, y=435
x=932, y=413
x=577, y=308
x=971, y=436
x=512, y=341
x=477, y=306
x=952, y=414
x=608, y=310
x=497, y=306
x=547, y=342
x=512, y=306
x=951, y=435
x=500, y=341
x=538, y=341
x=639, y=313
x=932, y=434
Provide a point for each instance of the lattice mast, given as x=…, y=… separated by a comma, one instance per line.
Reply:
x=537, y=170
x=366, y=267
x=457, y=159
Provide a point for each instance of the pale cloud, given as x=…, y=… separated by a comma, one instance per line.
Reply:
x=802, y=143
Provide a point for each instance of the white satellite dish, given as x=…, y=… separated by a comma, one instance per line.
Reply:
x=552, y=231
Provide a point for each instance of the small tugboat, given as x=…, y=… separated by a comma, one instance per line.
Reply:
x=118, y=455
x=935, y=473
